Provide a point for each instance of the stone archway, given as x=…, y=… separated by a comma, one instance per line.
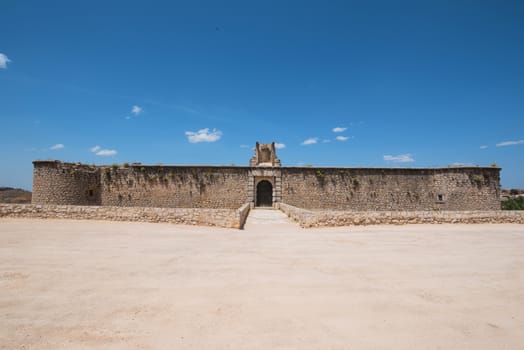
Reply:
x=264, y=194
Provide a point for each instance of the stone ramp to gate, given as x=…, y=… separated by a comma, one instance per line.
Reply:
x=268, y=220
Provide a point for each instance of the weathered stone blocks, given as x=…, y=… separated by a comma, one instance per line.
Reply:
x=324, y=218
x=392, y=189
x=230, y=218
x=357, y=189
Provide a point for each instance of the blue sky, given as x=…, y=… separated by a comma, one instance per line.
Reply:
x=334, y=83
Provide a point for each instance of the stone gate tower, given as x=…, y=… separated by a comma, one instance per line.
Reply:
x=265, y=180
x=265, y=155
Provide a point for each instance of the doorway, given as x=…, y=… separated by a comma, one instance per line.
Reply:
x=264, y=194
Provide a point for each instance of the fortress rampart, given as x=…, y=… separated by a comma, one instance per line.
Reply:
x=375, y=189
x=158, y=186
x=229, y=187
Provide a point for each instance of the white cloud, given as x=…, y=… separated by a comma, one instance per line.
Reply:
x=401, y=158
x=4, y=61
x=106, y=152
x=510, y=143
x=483, y=147
x=57, y=146
x=339, y=129
x=342, y=138
x=136, y=110
x=103, y=152
x=279, y=145
x=310, y=141
x=326, y=141
x=203, y=135
x=244, y=146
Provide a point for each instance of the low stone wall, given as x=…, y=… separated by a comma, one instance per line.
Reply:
x=230, y=218
x=243, y=212
x=302, y=216
x=311, y=218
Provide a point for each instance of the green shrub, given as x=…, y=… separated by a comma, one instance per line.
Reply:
x=479, y=180
x=513, y=204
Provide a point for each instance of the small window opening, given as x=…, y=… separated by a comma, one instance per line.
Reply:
x=440, y=197
x=91, y=193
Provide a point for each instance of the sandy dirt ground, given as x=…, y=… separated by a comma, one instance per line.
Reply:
x=113, y=285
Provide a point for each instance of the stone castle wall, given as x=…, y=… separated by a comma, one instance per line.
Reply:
x=65, y=184
x=370, y=189
x=357, y=189
x=140, y=186
x=175, y=186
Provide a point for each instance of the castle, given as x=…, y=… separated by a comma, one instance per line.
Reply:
x=265, y=183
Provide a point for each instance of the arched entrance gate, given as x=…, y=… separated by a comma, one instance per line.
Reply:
x=264, y=194
x=264, y=186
